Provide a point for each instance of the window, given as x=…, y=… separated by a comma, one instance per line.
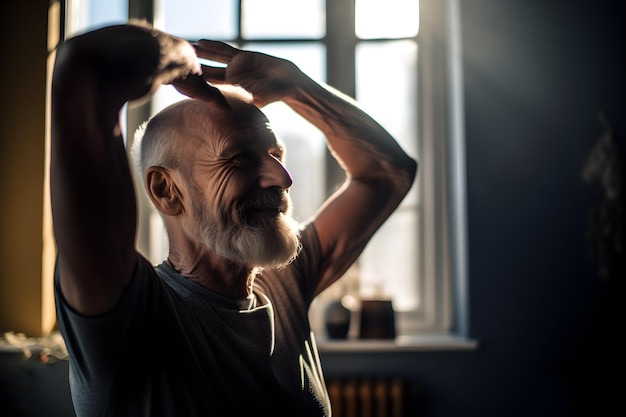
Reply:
x=385, y=55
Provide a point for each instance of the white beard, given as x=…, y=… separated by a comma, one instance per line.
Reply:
x=271, y=243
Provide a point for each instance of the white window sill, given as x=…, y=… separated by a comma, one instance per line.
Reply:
x=53, y=344
x=401, y=343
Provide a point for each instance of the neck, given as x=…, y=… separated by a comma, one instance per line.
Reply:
x=215, y=273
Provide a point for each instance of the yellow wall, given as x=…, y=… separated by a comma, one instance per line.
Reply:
x=25, y=301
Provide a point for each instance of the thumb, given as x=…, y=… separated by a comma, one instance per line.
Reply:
x=194, y=86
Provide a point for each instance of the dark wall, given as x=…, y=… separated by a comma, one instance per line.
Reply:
x=535, y=75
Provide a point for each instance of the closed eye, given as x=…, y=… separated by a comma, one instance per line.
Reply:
x=244, y=160
x=278, y=153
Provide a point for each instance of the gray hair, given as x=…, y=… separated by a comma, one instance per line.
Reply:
x=155, y=142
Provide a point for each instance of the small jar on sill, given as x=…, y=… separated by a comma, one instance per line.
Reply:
x=337, y=320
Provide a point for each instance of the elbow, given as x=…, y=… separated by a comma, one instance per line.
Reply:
x=392, y=178
x=399, y=178
x=408, y=173
x=412, y=167
x=64, y=63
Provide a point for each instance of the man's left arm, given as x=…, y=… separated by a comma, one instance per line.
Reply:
x=379, y=174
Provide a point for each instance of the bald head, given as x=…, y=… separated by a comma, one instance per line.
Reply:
x=157, y=142
x=208, y=170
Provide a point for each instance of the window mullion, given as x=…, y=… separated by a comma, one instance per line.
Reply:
x=239, y=41
x=340, y=66
x=340, y=45
x=141, y=9
x=135, y=115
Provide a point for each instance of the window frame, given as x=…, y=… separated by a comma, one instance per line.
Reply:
x=442, y=224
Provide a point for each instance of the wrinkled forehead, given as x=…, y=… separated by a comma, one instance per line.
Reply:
x=243, y=124
x=240, y=115
x=246, y=115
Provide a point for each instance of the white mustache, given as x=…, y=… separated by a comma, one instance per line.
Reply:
x=265, y=200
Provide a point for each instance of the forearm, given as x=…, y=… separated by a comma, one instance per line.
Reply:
x=92, y=192
x=362, y=147
x=94, y=75
x=379, y=174
x=365, y=150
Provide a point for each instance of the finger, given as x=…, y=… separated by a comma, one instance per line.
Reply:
x=213, y=74
x=216, y=50
x=196, y=87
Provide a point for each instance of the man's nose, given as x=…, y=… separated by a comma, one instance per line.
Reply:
x=274, y=174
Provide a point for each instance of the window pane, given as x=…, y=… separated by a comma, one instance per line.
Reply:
x=392, y=101
x=263, y=19
x=305, y=158
x=310, y=57
x=386, y=19
x=389, y=264
x=89, y=14
x=197, y=19
x=305, y=144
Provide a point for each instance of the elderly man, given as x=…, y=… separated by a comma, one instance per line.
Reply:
x=220, y=328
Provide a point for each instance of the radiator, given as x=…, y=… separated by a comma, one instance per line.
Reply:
x=368, y=397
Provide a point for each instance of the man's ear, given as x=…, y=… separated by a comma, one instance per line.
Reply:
x=163, y=191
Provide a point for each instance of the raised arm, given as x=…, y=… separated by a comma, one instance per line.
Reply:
x=379, y=173
x=92, y=193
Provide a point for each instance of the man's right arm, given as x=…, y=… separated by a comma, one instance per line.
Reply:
x=92, y=193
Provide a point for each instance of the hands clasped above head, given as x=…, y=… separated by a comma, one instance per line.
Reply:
x=266, y=77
